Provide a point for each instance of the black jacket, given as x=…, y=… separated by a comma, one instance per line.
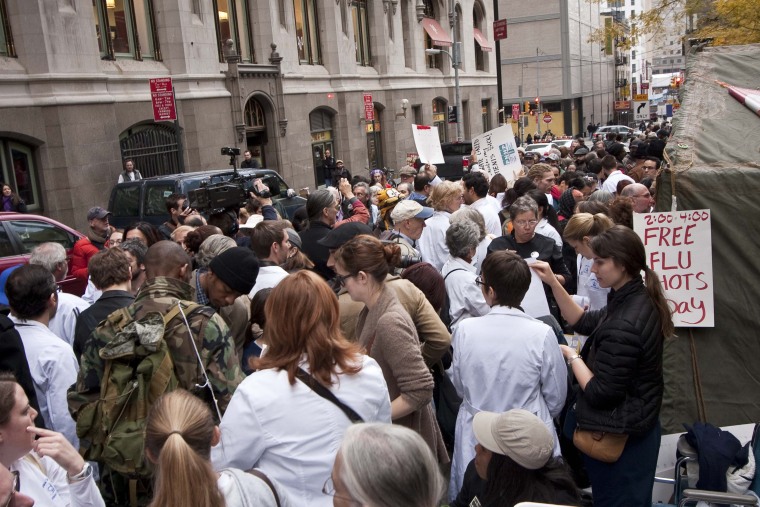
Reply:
x=88, y=320
x=317, y=253
x=624, y=351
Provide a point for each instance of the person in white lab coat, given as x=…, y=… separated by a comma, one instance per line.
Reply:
x=278, y=423
x=504, y=359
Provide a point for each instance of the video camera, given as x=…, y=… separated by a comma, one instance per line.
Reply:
x=227, y=195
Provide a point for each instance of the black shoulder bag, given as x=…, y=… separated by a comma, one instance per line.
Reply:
x=325, y=393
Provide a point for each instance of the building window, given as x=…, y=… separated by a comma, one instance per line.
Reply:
x=433, y=61
x=6, y=39
x=233, y=23
x=485, y=112
x=125, y=29
x=417, y=114
x=17, y=170
x=633, y=67
x=439, y=118
x=321, y=126
x=307, y=32
x=361, y=32
x=406, y=35
x=477, y=21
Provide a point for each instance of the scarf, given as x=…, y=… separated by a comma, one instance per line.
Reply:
x=566, y=204
x=98, y=241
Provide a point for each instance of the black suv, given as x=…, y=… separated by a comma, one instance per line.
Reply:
x=145, y=200
x=456, y=158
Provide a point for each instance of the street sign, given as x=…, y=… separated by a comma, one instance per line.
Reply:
x=641, y=96
x=547, y=118
x=500, y=29
x=515, y=111
x=644, y=87
x=641, y=110
x=162, y=97
x=369, y=107
x=452, y=114
x=622, y=105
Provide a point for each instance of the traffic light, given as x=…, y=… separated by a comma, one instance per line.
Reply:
x=538, y=100
x=527, y=106
x=679, y=81
x=672, y=81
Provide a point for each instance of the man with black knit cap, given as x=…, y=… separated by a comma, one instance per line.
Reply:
x=228, y=276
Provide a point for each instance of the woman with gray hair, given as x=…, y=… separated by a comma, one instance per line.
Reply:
x=484, y=239
x=530, y=245
x=459, y=274
x=384, y=465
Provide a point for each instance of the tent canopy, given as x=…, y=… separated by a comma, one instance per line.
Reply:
x=713, y=374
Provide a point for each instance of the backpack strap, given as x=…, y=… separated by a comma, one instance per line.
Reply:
x=453, y=270
x=325, y=393
x=261, y=475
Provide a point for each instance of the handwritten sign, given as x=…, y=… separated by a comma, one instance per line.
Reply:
x=428, y=144
x=679, y=249
x=497, y=153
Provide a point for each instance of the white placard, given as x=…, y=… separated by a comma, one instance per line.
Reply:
x=497, y=153
x=679, y=249
x=428, y=144
x=534, y=303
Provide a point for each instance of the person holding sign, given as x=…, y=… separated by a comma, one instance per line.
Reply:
x=618, y=375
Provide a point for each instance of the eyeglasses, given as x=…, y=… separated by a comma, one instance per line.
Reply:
x=340, y=280
x=523, y=223
x=16, y=488
x=329, y=490
x=479, y=281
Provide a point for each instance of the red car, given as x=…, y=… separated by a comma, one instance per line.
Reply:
x=20, y=233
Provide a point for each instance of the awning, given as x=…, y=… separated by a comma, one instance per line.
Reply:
x=482, y=41
x=436, y=32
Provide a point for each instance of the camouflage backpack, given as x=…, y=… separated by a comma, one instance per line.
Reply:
x=138, y=368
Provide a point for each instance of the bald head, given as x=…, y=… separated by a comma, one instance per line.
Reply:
x=166, y=258
x=640, y=197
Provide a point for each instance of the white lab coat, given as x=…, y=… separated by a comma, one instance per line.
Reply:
x=291, y=433
x=503, y=360
x=64, y=323
x=43, y=480
x=54, y=369
x=432, y=243
x=465, y=297
x=490, y=216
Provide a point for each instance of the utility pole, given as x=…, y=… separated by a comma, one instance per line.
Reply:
x=456, y=62
x=538, y=98
x=500, y=105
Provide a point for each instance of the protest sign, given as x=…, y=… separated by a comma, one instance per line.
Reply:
x=497, y=153
x=428, y=144
x=534, y=303
x=679, y=249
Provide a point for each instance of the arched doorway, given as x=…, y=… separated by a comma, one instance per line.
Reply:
x=153, y=147
x=322, y=139
x=439, y=117
x=256, y=130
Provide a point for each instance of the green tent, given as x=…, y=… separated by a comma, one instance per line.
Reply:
x=713, y=374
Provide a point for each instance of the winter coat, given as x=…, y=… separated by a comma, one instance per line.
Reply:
x=624, y=351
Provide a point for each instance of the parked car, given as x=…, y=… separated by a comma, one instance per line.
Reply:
x=626, y=132
x=144, y=200
x=541, y=148
x=20, y=233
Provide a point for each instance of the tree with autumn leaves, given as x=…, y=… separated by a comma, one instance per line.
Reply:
x=726, y=22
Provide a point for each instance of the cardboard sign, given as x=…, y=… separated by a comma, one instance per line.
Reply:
x=679, y=249
x=428, y=144
x=497, y=153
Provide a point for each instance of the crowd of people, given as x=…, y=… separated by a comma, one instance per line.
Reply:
x=372, y=349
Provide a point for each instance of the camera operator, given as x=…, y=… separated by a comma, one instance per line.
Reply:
x=408, y=222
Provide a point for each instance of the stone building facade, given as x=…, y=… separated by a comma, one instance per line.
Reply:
x=283, y=78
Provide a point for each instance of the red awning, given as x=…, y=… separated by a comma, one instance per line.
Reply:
x=436, y=32
x=481, y=39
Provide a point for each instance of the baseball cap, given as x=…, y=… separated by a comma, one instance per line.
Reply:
x=407, y=170
x=97, y=212
x=407, y=209
x=338, y=162
x=337, y=237
x=553, y=156
x=516, y=433
x=581, y=151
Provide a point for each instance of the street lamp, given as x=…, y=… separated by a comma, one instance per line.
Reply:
x=456, y=63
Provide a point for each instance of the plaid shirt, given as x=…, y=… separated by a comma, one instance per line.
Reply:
x=200, y=295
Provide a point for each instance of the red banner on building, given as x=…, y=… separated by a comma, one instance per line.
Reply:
x=369, y=107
